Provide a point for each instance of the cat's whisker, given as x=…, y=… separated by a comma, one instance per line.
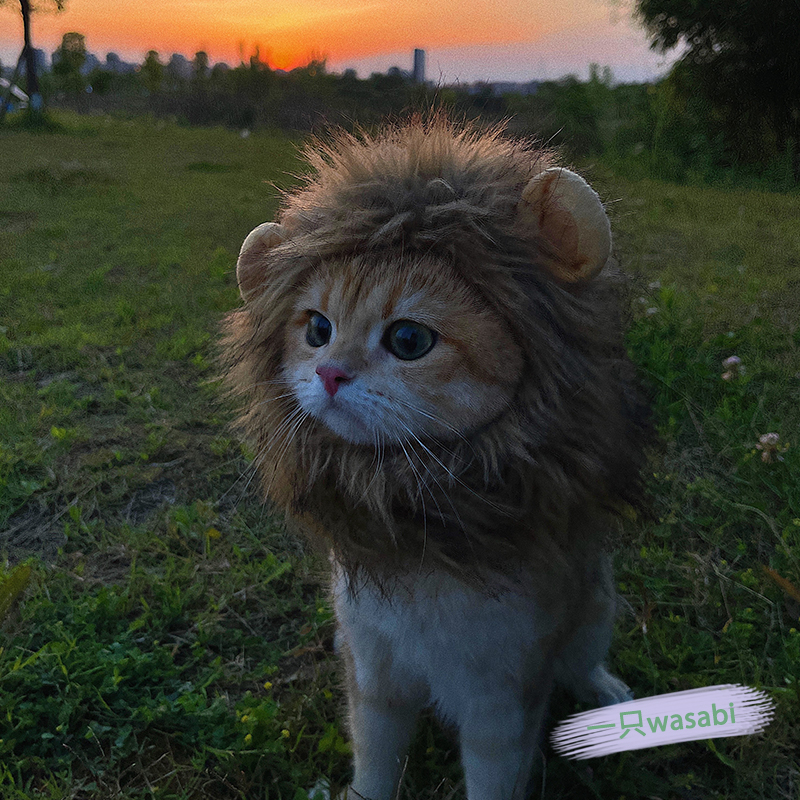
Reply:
x=438, y=483
x=261, y=456
x=442, y=421
x=278, y=435
x=252, y=469
x=381, y=453
x=434, y=418
x=376, y=460
x=283, y=426
x=420, y=492
x=286, y=429
x=454, y=477
x=291, y=435
x=270, y=400
x=299, y=419
x=383, y=450
x=425, y=483
x=278, y=412
x=241, y=477
x=271, y=382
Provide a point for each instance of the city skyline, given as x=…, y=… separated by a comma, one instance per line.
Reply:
x=548, y=43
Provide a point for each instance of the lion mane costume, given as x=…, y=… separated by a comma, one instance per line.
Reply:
x=530, y=239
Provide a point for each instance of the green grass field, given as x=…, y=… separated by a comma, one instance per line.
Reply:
x=162, y=636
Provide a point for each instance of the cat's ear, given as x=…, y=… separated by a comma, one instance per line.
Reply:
x=561, y=208
x=250, y=265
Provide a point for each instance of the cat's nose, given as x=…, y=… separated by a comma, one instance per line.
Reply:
x=332, y=377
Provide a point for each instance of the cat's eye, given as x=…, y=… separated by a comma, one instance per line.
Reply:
x=318, y=330
x=409, y=340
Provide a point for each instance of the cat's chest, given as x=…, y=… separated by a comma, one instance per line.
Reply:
x=435, y=630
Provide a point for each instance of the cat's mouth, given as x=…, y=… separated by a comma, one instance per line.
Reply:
x=345, y=422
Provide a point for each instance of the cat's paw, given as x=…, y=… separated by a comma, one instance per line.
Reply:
x=608, y=689
x=320, y=791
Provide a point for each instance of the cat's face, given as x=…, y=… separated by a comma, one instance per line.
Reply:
x=380, y=354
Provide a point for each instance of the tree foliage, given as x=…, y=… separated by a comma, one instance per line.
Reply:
x=200, y=66
x=152, y=72
x=741, y=57
x=68, y=59
x=71, y=54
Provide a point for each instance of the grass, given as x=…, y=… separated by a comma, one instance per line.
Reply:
x=163, y=636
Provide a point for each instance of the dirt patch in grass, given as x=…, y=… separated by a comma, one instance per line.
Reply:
x=33, y=531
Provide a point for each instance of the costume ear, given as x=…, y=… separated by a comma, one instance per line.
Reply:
x=561, y=208
x=249, y=267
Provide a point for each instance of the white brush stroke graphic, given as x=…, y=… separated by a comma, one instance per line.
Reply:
x=707, y=713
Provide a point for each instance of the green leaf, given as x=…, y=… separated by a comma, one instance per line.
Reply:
x=12, y=587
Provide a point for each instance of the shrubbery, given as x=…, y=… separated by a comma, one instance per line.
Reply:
x=663, y=130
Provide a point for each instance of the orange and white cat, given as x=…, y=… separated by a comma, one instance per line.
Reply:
x=433, y=379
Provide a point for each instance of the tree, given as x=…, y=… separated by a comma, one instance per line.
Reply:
x=200, y=65
x=152, y=72
x=69, y=58
x=741, y=55
x=29, y=57
x=200, y=70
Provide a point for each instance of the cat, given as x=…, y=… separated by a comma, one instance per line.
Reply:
x=430, y=367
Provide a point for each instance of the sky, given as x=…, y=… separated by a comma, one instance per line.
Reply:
x=465, y=40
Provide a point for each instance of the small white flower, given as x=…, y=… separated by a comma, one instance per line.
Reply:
x=768, y=444
x=733, y=368
x=651, y=311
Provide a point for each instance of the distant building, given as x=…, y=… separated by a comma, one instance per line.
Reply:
x=504, y=87
x=525, y=89
x=40, y=60
x=90, y=62
x=179, y=66
x=419, y=66
x=115, y=64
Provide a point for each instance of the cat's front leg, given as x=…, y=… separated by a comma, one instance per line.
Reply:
x=382, y=719
x=380, y=735
x=384, y=691
x=499, y=736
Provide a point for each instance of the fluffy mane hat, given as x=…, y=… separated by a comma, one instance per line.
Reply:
x=531, y=239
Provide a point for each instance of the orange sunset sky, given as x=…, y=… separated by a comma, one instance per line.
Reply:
x=465, y=40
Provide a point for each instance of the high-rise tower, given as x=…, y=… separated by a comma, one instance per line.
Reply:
x=419, y=66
